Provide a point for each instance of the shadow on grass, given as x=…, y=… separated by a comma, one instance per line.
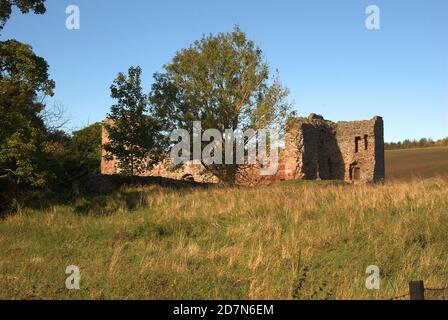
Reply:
x=102, y=194
x=108, y=194
x=300, y=182
x=119, y=201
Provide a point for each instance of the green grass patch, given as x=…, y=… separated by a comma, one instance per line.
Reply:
x=291, y=240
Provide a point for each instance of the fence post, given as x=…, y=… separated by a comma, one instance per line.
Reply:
x=417, y=290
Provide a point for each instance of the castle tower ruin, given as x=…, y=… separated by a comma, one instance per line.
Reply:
x=315, y=148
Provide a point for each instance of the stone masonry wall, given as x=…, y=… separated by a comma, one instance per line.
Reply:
x=362, y=148
x=191, y=170
x=311, y=150
x=315, y=148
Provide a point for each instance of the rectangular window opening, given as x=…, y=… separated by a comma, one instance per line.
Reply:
x=356, y=173
x=357, y=140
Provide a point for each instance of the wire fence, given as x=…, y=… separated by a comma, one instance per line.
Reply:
x=403, y=297
x=417, y=291
x=436, y=294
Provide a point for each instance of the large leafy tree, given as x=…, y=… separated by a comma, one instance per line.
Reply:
x=19, y=64
x=25, y=150
x=134, y=136
x=25, y=6
x=224, y=82
x=23, y=81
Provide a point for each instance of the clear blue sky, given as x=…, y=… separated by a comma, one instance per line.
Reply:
x=331, y=63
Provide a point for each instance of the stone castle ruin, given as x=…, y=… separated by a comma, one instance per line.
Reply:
x=315, y=149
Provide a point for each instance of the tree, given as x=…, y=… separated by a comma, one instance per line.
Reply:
x=25, y=6
x=134, y=136
x=85, y=147
x=25, y=150
x=18, y=63
x=224, y=82
x=74, y=155
x=23, y=144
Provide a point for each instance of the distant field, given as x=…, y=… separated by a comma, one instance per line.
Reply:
x=416, y=163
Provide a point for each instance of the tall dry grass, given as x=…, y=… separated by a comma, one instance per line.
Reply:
x=286, y=241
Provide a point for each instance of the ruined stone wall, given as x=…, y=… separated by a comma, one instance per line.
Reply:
x=190, y=171
x=311, y=150
x=315, y=148
x=379, y=174
x=362, y=147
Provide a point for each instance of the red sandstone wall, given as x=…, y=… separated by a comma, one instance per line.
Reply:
x=314, y=149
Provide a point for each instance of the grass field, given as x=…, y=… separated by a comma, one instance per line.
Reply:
x=291, y=240
x=285, y=241
x=416, y=163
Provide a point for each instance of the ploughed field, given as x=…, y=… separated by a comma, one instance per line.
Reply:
x=408, y=164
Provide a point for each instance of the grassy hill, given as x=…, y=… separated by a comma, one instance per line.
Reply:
x=288, y=240
x=411, y=163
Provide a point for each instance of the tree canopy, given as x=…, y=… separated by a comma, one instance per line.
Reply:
x=224, y=82
x=18, y=63
x=134, y=136
x=23, y=144
x=25, y=6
